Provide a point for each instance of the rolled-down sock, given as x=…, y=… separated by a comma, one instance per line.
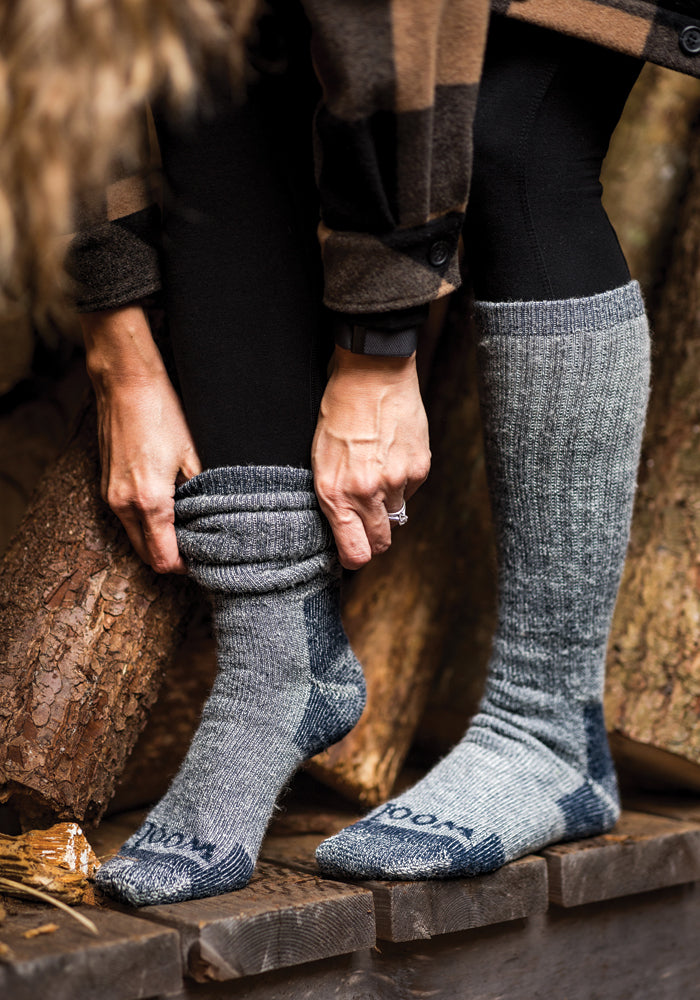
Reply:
x=288, y=683
x=564, y=388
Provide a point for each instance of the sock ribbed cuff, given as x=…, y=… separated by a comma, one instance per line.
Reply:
x=252, y=482
x=561, y=316
x=253, y=529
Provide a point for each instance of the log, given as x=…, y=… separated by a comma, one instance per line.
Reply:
x=172, y=721
x=85, y=632
x=35, y=424
x=654, y=663
x=646, y=171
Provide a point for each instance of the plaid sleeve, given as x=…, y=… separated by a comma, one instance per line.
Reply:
x=113, y=256
x=393, y=145
x=666, y=32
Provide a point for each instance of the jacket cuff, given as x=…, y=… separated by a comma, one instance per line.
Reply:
x=115, y=263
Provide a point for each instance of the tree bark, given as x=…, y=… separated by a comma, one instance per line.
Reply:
x=85, y=632
x=653, y=693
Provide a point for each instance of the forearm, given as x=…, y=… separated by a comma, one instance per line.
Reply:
x=119, y=347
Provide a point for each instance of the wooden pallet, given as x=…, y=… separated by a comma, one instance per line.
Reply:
x=614, y=916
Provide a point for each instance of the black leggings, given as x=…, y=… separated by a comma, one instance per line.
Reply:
x=241, y=265
x=536, y=227
x=240, y=258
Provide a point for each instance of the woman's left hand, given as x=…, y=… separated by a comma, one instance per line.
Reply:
x=370, y=451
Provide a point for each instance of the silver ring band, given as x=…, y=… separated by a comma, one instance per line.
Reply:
x=399, y=516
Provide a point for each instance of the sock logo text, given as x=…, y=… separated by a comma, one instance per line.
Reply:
x=152, y=834
x=393, y=811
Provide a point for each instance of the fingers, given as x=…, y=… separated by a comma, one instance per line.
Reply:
x=151, y=531
x=358, y=519
x=354, y=549
x=419, y=474
x=161, y=544
x=376, y=524
x=190, y=467
x=394, y=501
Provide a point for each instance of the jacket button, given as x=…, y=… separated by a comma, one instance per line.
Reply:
x=439, y=252
x=689, y=40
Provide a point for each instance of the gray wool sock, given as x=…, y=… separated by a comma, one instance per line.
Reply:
x=288, y=683
x=564, y=388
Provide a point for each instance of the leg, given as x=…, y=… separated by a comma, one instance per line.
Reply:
x=242, y=269
x=564, y=375
x=242, y=305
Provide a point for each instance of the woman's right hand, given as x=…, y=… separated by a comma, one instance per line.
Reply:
x=145, y=444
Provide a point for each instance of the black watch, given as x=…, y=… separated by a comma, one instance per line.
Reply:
x=365, y=340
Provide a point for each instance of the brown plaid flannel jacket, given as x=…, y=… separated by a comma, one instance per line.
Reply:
x=661, y=31
x=393, y=142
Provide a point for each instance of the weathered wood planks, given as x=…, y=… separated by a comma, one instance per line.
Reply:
x=642, y=853
x=291, y=935
x=130, y=960
x=411, y=911
x=284, y=917
x=642, y=948
x=684, y=807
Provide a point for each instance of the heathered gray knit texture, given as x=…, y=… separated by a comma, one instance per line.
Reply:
x=288, y=683
x=564, y=389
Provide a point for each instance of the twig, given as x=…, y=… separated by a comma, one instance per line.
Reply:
x=85, y=921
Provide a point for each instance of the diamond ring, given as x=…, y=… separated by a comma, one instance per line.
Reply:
x=399, y=516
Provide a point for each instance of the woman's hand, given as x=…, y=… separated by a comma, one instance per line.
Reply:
x=370, y=451
x=145, y=444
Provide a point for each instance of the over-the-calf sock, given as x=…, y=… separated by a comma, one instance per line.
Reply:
x=288, y=683
x=564, y=387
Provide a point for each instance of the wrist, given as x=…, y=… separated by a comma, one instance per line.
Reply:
x=369, y=368
x=119, y=348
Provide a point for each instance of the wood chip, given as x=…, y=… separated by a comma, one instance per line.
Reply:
x=44, y=929
x=58, y=861
x=6, y=953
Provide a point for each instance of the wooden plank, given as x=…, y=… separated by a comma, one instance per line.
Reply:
x=410, y=911
x=642, y=853
x=282, y=918
x=131, y=959
x=640, y=948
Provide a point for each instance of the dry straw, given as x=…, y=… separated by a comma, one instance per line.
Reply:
x=75, y=76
